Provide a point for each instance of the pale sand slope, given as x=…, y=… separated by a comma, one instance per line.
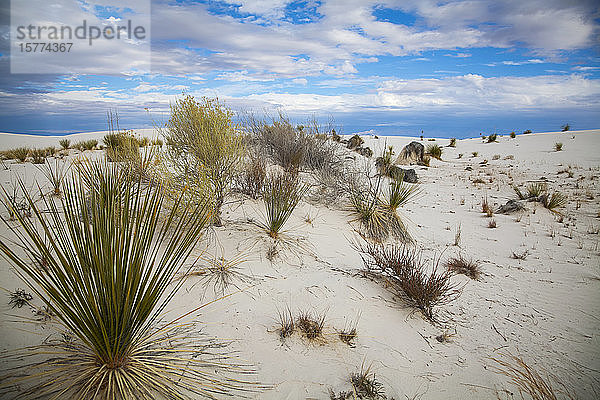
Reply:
x=544, y=308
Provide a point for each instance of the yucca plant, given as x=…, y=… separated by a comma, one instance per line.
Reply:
x=555, y=200
x=112, y=251
x=20, y=153
x=65, y=143
x=55, y=173
x=399, y=193
x=558, y=146
x=434, y=151
x=38, y=156
x=537, y=189
x=282, y=193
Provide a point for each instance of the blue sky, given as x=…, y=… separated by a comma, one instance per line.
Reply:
x=452, y=68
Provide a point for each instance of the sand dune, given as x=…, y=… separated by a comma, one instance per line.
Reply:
x=543, y=307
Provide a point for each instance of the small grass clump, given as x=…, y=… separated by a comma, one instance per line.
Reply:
x=19, y=298
x=87, y=144
x=65, y=144
x=528, y=380
x=475, y=154
x=452, y=142
x=520, y=255
x=220, y=273
x=558, y=146
x=20, y=154
x=282, y=193
x=492, y=224
x=464, y=266
x=486, y=208
x=492, y=138
x=38, y=156
x=286, y=323
x=434, y=151
x=527, y=132
x=348, y=336
x=536, y=189
x=310, y=325
x=366, y=385
x=399, y=193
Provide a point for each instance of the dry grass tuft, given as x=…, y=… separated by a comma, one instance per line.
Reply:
x=19, y=298
x=486, y=208
x=286, y=323
x=528, y=380
x=310, y=325
x=464, y=266
x=492, y=224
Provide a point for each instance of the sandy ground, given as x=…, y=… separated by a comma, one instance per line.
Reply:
x=544, y=307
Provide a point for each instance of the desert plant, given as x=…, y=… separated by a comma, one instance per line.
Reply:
x=65, y=143
x=50, y=151
x=38, y=156
x=492, y=223
x=286, y=323
x=520, y=255
x=384, y=163
x=355, y=141
x=281, y=195
x=558, y=146
x=109, y=267
x=19, y=298
x=513, y=135
x=399, y=193
x=526, y=132
x=475, y=154
x=20, y=153
x=143, y=141
x=310, y=324
x=452, y=142
x=536, y=189
x=252, y=177
x=486, y=208
x=86, y=145
x=55, y=173
x=492, y=138
x=407, y=274
x=457, y=235
x=565, y=128
x=156, y=142
x=203, y=145
x=365, y=385
x=527, y=379
x=553, y=201
x=220, y=272
x=349, y=333
x=434, y=151
x=462, y=265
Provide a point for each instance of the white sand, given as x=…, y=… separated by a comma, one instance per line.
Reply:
x=544, y=308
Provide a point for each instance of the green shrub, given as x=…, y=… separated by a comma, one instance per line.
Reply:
x=513, y=135
x=38, y=156
x=528, y=131
x=536, y=189
x=282, y=193
x=65, y=143
x=555, y=200
x=109, y=265
x=87, y=144
x=203, y=144
x=434, y=151
x=121, y=147
x=144, y=141
x=399, y=193
x=565, y=128
x=492, y=138
x=452, y=142
x=20, y=153
x=558, y=146
x=475, y=154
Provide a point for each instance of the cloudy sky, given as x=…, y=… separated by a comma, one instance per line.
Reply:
x=449, y=68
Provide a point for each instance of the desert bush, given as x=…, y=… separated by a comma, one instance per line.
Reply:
x=408, y=275
x=286, y=323
x=121, y=147
x=565, y=128
x=513, y=135
x=434, y=151
x=204, y=145
x=144, y=141
x=528, y=131
x=86, y=144
x=38, y=156
x=558, y=146
x=492, y=223
x=464, y=266
x=426, y=161
x=282, y=193
x=19, y=298
x=50, y=151
x=251, y=179
x=384, y=163
x=452, y=142
x=65, y=143
x=55, y=173
x=492, y=138
x=496, y=157
x=355, y=141
x=156, y=142
x=475, y=154
x=20, y=153
x=109, y=268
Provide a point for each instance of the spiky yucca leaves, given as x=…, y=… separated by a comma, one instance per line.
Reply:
x=554, y=200
x=282, y=193
x=536, y=189
x=399, y=193
x=111, y=254
x=55, y=173
x=434, y=151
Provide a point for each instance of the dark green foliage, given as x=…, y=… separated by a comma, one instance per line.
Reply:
x=513, y=135
x=434, y=151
